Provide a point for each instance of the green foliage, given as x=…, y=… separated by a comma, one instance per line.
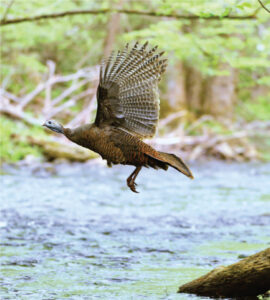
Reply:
x=13, y=143
x=209, y=45
x=256, y=110
x=74, y=42
x=210, y=125
x=217, y=127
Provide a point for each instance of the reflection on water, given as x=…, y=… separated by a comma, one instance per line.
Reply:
x=78, y=232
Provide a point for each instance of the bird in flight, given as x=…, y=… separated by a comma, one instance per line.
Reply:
x=127, y=112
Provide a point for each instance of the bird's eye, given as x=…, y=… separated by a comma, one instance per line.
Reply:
x=49, y=122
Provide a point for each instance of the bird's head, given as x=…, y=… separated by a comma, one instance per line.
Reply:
x=54, y=126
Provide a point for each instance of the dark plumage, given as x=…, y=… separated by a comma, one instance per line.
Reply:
x=128, y=110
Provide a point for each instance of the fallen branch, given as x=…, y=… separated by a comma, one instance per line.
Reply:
x=15, y=106
x=91, y=74
x=8, y=95
x=48, y=89
x=69, y=91
x=16, y=112
x=172, y=117
x=5, y=22
x=84, y=115
x=248, y=277
x=231, y=147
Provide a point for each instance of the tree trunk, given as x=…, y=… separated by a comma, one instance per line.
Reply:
x=113, y=28
x=194, y=90
x=212, y=95
x=219, y=94
x=176, y=86
x=248, y=277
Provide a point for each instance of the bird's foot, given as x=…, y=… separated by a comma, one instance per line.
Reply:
x=131, y=179
x=132, y=185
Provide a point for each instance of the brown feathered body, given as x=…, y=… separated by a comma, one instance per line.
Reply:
x=117, y=146
x=128, y=111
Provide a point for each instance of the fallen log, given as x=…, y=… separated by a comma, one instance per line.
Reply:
x=248, y=277
x=54, y=150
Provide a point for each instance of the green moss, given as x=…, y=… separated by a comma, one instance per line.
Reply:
x=217, y=127
x=13, y=143
x=213, y=126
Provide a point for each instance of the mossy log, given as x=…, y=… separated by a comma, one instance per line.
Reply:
x=248, y=277
x=54, y=150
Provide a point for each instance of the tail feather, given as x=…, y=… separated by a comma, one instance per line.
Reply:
x=176, y=163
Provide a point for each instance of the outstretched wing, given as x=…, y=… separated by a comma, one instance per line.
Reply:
x=127, y=93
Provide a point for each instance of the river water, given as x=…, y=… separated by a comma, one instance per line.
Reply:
x=75, y=231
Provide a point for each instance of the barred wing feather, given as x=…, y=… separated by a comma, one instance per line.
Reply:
x=128, y=93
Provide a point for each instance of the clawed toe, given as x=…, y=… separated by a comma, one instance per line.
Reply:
x=133, y=188
x=131, y=180
x=132, y=185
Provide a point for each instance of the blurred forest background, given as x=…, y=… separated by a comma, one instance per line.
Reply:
x=215, y=95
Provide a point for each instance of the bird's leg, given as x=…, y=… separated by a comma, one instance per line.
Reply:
x=131, y=179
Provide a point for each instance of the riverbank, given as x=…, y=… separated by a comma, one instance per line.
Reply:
x=199, y=141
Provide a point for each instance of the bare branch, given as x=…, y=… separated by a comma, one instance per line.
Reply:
x=58, y=109
x=172, y=117
x=9, y=95
x=122, y=11
x=29, y=97
x=69, y=91
x=14, y=106
x=84, y=94
x=48, y=89
x=90, y=73
x=16, y=112
x=7, y=10
x=263, y=6
x=85, y=114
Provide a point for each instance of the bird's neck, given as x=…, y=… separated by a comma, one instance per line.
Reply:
x=80, y=135
x=68, y=132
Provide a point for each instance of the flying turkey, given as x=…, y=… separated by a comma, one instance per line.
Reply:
x=127, y=112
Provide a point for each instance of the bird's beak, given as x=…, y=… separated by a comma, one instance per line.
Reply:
x=44, y=124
